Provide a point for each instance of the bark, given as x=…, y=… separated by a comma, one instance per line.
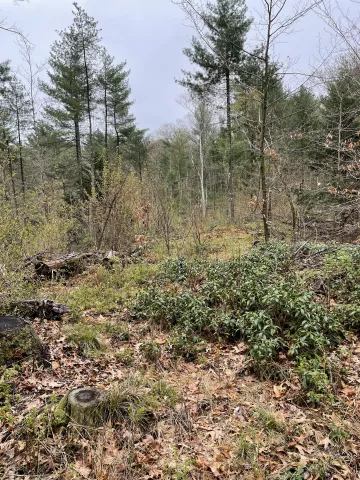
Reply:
x=12, y=175
x=78, y=152
x=20, y=151
x=202, y=187
x=117, y=135
x=339, y=137
x=264, y=110
x=230, y=159
x=40, y=309
x=106, y=121
x=67, y=266
x=88, y=100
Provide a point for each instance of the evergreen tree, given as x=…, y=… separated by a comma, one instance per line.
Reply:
x=72, y=87
x=136, y=149
x=220, y=56
x=114, y=83
x=85, y=35
x=67, y=92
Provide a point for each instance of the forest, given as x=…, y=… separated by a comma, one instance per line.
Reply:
x=182, y=303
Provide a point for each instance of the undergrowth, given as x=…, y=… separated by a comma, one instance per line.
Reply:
x=261, y=298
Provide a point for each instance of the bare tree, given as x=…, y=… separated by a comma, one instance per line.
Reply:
x=276, y=24
x=200, y=126
x=13, y=28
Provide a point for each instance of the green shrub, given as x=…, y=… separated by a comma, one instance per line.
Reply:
x=314, y=379
x=181, y=344
x=182, y=270
x=151, y=351
x=125, y=356
x=338, y=434
x=256, y=297
x=259, y=298
x=342, y=274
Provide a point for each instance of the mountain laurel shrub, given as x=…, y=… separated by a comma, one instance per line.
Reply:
x=257, y=297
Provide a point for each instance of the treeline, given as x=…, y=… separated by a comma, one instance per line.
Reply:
x=249, y=148
x=86, y=120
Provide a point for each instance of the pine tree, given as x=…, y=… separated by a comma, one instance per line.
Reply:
x=136, y=148
x=72, y=87
x=114, y=84
x=86, y=36
x=220, y=56
x=67, y=92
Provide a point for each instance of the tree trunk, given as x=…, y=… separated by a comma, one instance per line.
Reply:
x=339, y=137
x=202, y=188
x=88, y=100
x=117, y=135
x=106, y=121
x=264, y=108
x=229, y=148
x=20, y=151
x=39, y=309
x=78, y=153
x=12, y=175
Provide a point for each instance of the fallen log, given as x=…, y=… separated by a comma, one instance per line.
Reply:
x=18, y=340
x=67, y=266
x=39, y=309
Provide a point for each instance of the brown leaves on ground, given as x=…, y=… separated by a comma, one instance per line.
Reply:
x=226, y=423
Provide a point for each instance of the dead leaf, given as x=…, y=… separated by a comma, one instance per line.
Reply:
x=82, y=469
x=278, y=391
x=55, y=365
x=349, y=391
x=325, y=442
x=215, y=467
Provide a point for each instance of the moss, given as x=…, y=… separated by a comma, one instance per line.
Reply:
x=60, y=417
x=19, y=344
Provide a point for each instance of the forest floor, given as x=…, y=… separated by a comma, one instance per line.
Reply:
x=211, y=417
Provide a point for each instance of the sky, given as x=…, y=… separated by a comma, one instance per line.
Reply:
x=150, y=36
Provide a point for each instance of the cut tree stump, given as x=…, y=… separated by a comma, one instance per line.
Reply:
x=18, y=340
x=88, y=406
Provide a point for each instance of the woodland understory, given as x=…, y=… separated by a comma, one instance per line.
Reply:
x=206, y=276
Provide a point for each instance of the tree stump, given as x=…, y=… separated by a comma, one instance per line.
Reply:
x=88, y=406
x=18, y=340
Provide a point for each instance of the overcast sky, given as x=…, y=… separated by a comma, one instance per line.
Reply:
x=150, y=36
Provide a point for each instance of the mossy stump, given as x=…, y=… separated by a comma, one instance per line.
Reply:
x=88, y=407
x=18, y=340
